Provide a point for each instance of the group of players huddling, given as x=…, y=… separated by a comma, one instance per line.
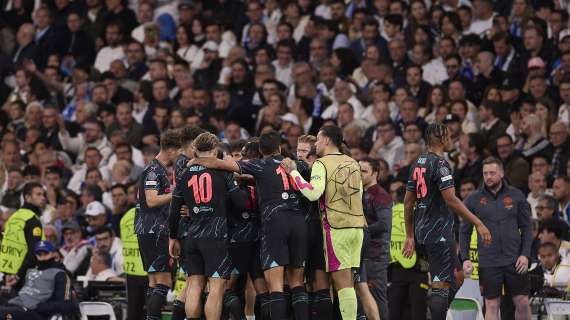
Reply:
x=292, y=226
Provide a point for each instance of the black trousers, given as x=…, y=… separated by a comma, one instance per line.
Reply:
x=407, y=293
x=136, y=289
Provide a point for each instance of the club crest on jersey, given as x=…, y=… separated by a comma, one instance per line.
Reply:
x=483, y=200
x=508, y=202
x=285, y=196
x=196, y=209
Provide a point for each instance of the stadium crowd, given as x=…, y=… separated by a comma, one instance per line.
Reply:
x=89, y=87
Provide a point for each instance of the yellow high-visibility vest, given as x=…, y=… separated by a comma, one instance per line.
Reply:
x=14, y=246
x=398, y=237
x=132, y=262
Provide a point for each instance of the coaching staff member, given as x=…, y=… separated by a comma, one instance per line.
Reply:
x=505, y=211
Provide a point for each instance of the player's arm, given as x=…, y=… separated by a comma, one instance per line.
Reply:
x=237, y=195
x=525, y=227
x=313, y=189
x=174, y=215
x=215, y=163
x=465, y=231
x=153, y=199
x=459, y=208
x=383, y=214
x=409, y=204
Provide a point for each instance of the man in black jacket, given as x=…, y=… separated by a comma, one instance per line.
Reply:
x=505, y=262
x=46, y=292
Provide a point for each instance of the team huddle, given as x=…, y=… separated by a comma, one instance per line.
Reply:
x=263, y=222
x=291, y=226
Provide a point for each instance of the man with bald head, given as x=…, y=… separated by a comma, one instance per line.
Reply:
x=488, y=74
x=558, y=135
x=26, y=46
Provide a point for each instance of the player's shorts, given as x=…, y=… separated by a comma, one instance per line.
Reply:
x=209, y=257
x=284, y=241
x=154, y=253
x=441, y=258
x=342, y=247
x=245, y=257
x=362, y=275
x=316, y=256
x=493, y=278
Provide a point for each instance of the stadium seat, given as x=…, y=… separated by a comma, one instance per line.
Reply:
x=465, y=309
x=96, y=309
x=557, y=309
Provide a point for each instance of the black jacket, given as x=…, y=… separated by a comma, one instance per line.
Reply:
x=507, y=216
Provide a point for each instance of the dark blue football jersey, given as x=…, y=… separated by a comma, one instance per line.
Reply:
x=433, y=220
x=152, y=220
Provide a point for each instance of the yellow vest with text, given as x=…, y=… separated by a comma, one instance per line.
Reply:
x=132, y=257
x=474, y=255
x=398, y=237
x=14, y=246
x=343, y=192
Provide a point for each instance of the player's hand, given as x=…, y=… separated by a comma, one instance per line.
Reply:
x=522, y=265
x=409, y=247
x=184, y=211
x=289, y=165
x=467, y=268
x=174, y=248
x=485, y=234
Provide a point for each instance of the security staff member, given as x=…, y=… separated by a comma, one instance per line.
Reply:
x=407, y=276
x=506, y=212
x=21, y=233
x=137, y=280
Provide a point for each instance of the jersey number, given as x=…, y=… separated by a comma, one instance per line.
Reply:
x=419, y=178
x=285, y=178
x=202, y=187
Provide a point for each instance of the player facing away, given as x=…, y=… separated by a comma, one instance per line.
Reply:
x=151, y=223
x=283, y=226
x=336, y=181
x=429, y=223
x=206, y=193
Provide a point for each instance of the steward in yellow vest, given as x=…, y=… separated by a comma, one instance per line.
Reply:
x=21, y=233
x=137, y=280
x=133, y=265
x=407, y=277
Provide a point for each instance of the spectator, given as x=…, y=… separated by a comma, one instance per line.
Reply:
x=561, y=190
x=92, y=137
x=556, y=274
x=75, y=249
x=106, y=241
x=517, y=169
x=389, y=146
x=554, y=232
x=100, y=268
x=96, y=216
x=558, y=134
x=470, y=163
x=537, y=187
x=491, y=126
x=46, y=291
x=126, y=123
x=93, y=160
x=113, y=50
